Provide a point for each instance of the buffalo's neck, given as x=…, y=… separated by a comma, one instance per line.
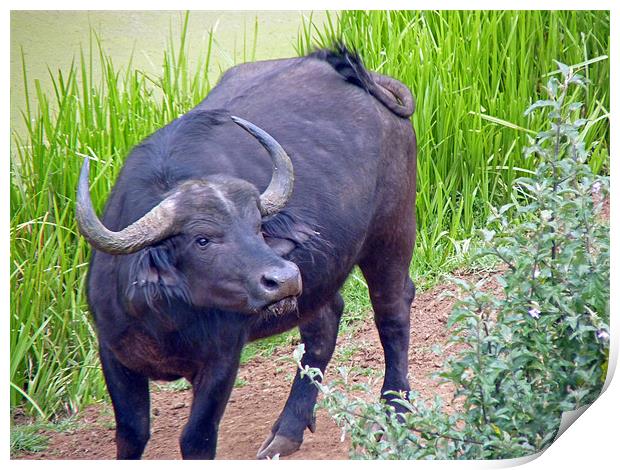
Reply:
x=166, y=349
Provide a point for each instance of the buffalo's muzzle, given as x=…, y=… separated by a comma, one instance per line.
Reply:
x=280, y=282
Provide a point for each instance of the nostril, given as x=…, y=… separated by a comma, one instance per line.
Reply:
x=269, y=283
x=278, y=282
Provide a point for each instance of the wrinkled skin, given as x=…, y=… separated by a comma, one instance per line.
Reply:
x=221, y=222
x=181, y=309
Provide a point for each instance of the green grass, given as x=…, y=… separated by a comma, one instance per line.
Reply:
x=29, y=437
x=472, y=75
x=175, y=386
x=239, y=382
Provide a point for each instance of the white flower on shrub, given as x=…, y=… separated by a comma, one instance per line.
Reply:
x=534, y=313
x=602, y=335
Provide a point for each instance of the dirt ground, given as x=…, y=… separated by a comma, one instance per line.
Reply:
x=263, y=386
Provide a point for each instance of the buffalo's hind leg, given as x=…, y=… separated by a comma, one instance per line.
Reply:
x=392, y=292
x=129, y=392
x=319, y=338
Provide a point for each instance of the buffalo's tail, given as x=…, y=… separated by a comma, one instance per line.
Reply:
x=393, y=94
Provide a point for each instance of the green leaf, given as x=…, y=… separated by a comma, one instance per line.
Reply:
x=564, y=69
x=552, y=88
x=575, y=106
x=299, y=352
x=540, y=104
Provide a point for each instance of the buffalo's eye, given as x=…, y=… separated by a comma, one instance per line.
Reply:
x=202, y=242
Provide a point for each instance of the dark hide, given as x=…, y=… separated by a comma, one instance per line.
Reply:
x=186, y=306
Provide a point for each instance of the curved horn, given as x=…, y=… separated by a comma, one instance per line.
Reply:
x=279, y=191
x=152, y=227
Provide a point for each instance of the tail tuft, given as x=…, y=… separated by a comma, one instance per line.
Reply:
x=390, y=92
x=347, y=63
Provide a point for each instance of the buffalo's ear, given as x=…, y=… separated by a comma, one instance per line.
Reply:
x=283, y=233
x=153, y=278
x=281, y=246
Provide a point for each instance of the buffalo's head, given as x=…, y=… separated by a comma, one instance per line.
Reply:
x=204, y=243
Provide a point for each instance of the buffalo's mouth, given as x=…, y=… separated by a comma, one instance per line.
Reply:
x=281, y=307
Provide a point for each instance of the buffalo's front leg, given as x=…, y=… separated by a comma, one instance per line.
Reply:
x=319, y=338
x=129, y=392
x=211, y=387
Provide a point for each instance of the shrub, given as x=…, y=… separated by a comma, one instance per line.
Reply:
x=533, y=353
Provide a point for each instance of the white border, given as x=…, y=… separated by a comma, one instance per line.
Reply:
x=590, y=442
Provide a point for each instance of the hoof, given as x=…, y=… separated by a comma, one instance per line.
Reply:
x=277, y=445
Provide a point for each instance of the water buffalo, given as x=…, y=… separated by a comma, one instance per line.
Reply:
x=205, y=244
